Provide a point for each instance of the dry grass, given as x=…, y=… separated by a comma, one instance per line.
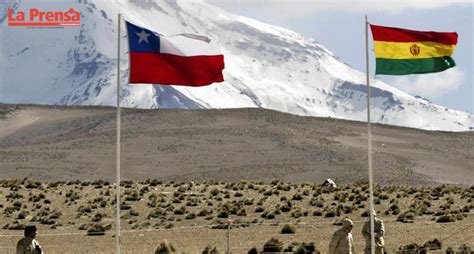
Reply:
x=190, y=214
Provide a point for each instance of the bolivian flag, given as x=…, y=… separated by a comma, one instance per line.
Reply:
x=402, y=51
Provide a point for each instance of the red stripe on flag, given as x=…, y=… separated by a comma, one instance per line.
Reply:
x=166, y=69
x=393, y=34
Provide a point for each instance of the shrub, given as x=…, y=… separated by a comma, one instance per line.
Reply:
x=14, y=195
x=133, y=213
x=297, y=197
x=156, y=213
x=191, y=216
x=98, y=229
x=214, y=191
x=242, y=212
x=318, y=202
x=287, y=229
x=434, y=244
x=347, y=209
x=277, y=210
x=210, y=250
x=203, y=213
x=253, y=251
x=133, y=196
x=22, y=215
x=268, y=216
x=268, y=193
x=98, y=217
x=36, y=198
x=223, y=214
x=464, y=249
x=393, y=209
x=286, y=207
x=296, y=214
x=180, y=210
x=445, y=219
x=16, y=225
x=125, y=206
x=409, y=248
x=273, y=245
x=248, y=202
x=365, y=214
x=302, y=248
x=406, y=217
x=330, y=214
x=47, y=221
x=153, y=197
x=165, y=248
x=340, y=196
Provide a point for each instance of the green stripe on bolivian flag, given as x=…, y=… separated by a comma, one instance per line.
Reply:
x=402, y=51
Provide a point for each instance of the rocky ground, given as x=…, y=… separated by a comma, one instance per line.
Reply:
x=79, y=216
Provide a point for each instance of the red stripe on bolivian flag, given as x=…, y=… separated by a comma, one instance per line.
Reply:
x=401, y=51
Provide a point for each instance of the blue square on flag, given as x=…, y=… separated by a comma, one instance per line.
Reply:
x=142, y=40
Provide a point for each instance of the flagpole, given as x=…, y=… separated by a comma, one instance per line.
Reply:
x=117, y=184
x=369, y=135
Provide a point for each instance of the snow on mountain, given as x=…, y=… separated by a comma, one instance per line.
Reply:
x=266, y=66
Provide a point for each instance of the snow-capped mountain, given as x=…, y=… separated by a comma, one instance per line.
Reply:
x=266, y=66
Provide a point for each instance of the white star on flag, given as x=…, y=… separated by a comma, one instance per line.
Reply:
x=143, y=36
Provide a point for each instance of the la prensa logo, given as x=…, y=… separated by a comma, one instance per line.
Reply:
x=40, y=18
x=415, y=50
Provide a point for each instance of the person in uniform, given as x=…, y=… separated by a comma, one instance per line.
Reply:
x=379, y=232
x=342, y=241
x=28, y=244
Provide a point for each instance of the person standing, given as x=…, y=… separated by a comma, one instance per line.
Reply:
x=28, y=244
x=379, y=232
x=342, y=241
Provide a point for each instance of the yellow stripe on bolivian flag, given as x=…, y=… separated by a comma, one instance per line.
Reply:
x=412, y=50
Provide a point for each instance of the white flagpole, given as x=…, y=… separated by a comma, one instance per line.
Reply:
x=117, y=185
x=369, y=135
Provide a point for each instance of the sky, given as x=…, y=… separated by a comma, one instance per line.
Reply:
x=339, y=26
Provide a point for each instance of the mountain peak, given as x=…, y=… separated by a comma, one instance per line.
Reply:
x=266, y=66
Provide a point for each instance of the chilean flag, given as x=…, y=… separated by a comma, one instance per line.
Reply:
x=186, y=59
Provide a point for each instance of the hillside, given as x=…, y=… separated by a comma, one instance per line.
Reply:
x=63, y=143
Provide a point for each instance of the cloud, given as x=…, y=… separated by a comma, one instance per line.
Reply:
x=297, y=8
x=430, y=85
